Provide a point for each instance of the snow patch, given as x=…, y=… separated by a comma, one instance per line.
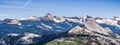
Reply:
x=15, y=22
x=28, y=38
x=58, y=20
x=47, y=26
x=30, y=18
x=13, y=34
x=99, y=21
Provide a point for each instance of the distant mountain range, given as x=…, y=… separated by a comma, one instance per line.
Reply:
x=53, y=30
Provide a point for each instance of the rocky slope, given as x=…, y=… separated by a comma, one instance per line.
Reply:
x=90, y=34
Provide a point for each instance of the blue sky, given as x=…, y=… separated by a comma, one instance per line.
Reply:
x=80, y=8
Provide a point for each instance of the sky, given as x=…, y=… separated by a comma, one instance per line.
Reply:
x=26, y=8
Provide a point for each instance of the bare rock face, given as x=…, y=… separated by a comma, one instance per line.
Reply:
x=118, y=22
x=90, y=28
x=90, y=25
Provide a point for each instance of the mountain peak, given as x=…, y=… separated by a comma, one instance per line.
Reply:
x=87, y=16
x=49, y=15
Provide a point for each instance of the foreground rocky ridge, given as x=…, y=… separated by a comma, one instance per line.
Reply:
x=89, y=34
